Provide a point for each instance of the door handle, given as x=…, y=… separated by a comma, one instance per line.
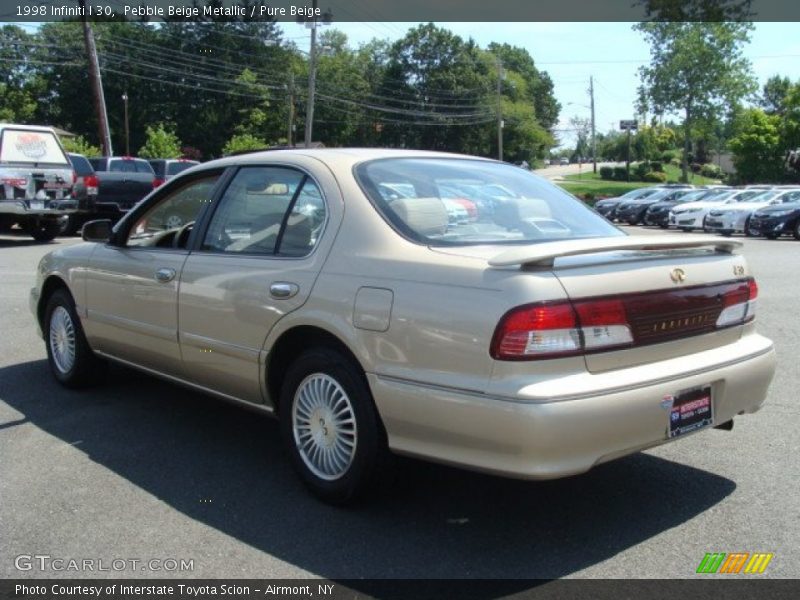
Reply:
x=165, y=275
x=283, y=289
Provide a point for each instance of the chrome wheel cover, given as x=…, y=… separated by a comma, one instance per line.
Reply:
x=62, y=339
x=324, y=426
x=174, y=222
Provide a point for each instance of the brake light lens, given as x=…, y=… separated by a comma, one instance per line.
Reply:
x=739, y=306
x=569, y=328
x=91, y=181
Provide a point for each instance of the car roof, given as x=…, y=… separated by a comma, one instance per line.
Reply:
x=334, y=156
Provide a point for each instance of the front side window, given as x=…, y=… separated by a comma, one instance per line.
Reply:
x=447, y=201
x=173, y=214
x=269, y=211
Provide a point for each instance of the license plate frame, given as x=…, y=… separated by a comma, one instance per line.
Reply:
x=692, y=409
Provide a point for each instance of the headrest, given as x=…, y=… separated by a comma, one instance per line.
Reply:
x=425, y=216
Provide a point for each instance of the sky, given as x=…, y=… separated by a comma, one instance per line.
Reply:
x=572, y=52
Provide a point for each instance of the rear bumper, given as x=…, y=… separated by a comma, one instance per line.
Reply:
x=21, y=208
x=565, y=426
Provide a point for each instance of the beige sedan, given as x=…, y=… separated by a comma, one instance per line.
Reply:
x=530, y=338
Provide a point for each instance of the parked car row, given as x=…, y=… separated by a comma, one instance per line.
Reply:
x=768, y=211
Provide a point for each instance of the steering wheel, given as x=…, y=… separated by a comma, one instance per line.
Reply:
x=182, y=235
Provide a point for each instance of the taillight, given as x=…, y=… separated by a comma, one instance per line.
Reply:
x=739, y=305
x=91, y=181
x=157, y=182
x=569, y=328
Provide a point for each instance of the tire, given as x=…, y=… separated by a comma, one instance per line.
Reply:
x=43, y=231
x=633, y=220
x=322, y=391
x=71, y=360
x=70, y=226
x=771, y=236
x=747, y=231
x=796, y=230
x=685, y=229
x=663, y=225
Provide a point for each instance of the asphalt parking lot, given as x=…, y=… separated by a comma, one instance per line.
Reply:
x=141, y=469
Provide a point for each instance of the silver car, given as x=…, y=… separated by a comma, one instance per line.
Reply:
x=535, y=340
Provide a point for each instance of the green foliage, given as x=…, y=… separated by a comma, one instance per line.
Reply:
x=606, y=173
x=757, y=148
x=640, y=171
x=711, y=170
x=620, y=174
x=669, y=156
x=160, y=142
x=657, y=166
x=655, y=177
x=243, y=142
x=695, y=67
x=79, y=145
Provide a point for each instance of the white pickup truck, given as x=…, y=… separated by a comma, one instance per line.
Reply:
x=34, y=171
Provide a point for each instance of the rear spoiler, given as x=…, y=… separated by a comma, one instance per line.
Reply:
x=544, y=254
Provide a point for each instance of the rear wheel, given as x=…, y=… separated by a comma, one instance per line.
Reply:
x=747, y=231
x=796, y=230
x=771, y=236
x=330, y=426
x=71, y=359
x=43, y=231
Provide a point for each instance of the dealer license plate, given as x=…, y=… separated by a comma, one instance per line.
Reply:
x=691, y=410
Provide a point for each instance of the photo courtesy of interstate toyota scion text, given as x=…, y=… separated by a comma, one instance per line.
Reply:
x=439, y=306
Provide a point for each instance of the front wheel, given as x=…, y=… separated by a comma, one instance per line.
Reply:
x=330, y=426
x=71, y=359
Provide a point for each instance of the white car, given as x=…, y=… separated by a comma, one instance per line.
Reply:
x=691, y=215
x=734, y=218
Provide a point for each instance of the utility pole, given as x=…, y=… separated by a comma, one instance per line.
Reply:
x=290, y=129
x=127, y=129
x=499, y=110
x=594, y=145
x=96, y=83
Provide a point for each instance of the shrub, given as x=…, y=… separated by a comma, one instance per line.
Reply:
x=669, y=156
x=620, y=174
x=161, y=142
x=640, y=170
x=657, y=166
x=606, y=173
x=695, y=167
x=711, y=171
x=242, y=143
x=79, y=145
x=655, y=177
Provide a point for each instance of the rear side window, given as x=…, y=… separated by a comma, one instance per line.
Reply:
x=37, y=147
x=81, y=165
x=267, y=210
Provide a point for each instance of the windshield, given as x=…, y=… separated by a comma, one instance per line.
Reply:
x=26, y=146
x=457, y=202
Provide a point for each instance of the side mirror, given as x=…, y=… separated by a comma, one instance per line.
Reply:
x=97, y=231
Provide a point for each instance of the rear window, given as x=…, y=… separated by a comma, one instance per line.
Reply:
x=454, y=202
x=81, y=165
x=179, y=166
x=130, y=165
x=37, y=147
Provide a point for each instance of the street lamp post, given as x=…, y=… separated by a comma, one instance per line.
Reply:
x=127, y=130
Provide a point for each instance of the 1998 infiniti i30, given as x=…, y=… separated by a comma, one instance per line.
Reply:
x=533, y=340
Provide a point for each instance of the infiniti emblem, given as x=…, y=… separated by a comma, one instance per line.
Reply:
x=677, y=275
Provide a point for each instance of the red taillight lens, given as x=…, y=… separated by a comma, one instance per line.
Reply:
x=91, y=181
x=157, y=182
x=536, y=330
x=739, y=305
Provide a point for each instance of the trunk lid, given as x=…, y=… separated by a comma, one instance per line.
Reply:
x=671, y=287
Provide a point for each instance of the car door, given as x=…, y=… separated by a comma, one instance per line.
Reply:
x=132, y=283
x=256, y=262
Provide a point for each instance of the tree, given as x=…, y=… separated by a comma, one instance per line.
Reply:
x=242, y=143
x=79, y=145
x=161, y=142
x=696, y=68
x=758, y=152
x=774, y=94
